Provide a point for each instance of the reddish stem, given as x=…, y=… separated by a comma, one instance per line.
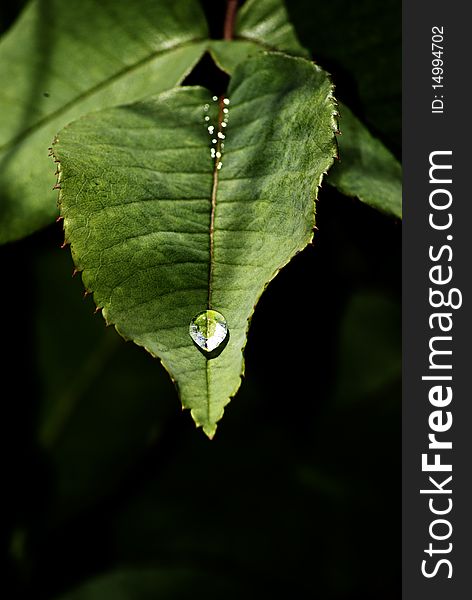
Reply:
x=230, y=19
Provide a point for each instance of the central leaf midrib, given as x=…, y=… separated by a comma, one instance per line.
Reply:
x=96, y=88
x=214, y=190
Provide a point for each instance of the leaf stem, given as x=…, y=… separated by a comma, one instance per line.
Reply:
x=230, y=19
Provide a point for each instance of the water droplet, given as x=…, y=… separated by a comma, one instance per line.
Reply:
x=211, y=129
x=221, y=136
x=207, y=118
x=218, y=155
x=219, y=165
x=214, y=141
x=208, y=330
x=213, y=153
x=206, y=107
x=226, y=100
x=226, y=111
x=223, y=124
x=215, y=98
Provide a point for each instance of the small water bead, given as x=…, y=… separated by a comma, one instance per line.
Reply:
x=208, y=329
x=206, y=107
x=216, y=151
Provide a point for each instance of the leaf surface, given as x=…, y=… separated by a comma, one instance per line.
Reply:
x=267, y=22
x=161, y=234
x=64, y=59
x=367, y=169
x=361, y=43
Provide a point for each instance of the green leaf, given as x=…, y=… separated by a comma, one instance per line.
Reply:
x=64, y=59
x=229, y=54
x=366, y=170
x=361, y=44
x=161, y=234
x=266, y=22
x=260, y=25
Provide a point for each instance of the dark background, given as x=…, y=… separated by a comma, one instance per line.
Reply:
x=299, y=492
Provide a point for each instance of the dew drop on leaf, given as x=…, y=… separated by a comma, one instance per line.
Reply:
x=208, y=329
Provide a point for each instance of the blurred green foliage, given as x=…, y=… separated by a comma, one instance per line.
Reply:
x=111, y=494
x=359, y=43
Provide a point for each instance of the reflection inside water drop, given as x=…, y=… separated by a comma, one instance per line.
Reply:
x=209, y=330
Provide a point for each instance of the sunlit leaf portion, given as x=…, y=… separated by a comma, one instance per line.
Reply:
x=62, y=60
x=267, y=22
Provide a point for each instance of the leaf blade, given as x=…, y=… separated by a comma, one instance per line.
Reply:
x=51, y=83
x=367, y=169
x=267, y=23
x=264, y=212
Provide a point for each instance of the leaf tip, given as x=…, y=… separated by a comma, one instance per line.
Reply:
x=209, y=431
x=208, y=425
